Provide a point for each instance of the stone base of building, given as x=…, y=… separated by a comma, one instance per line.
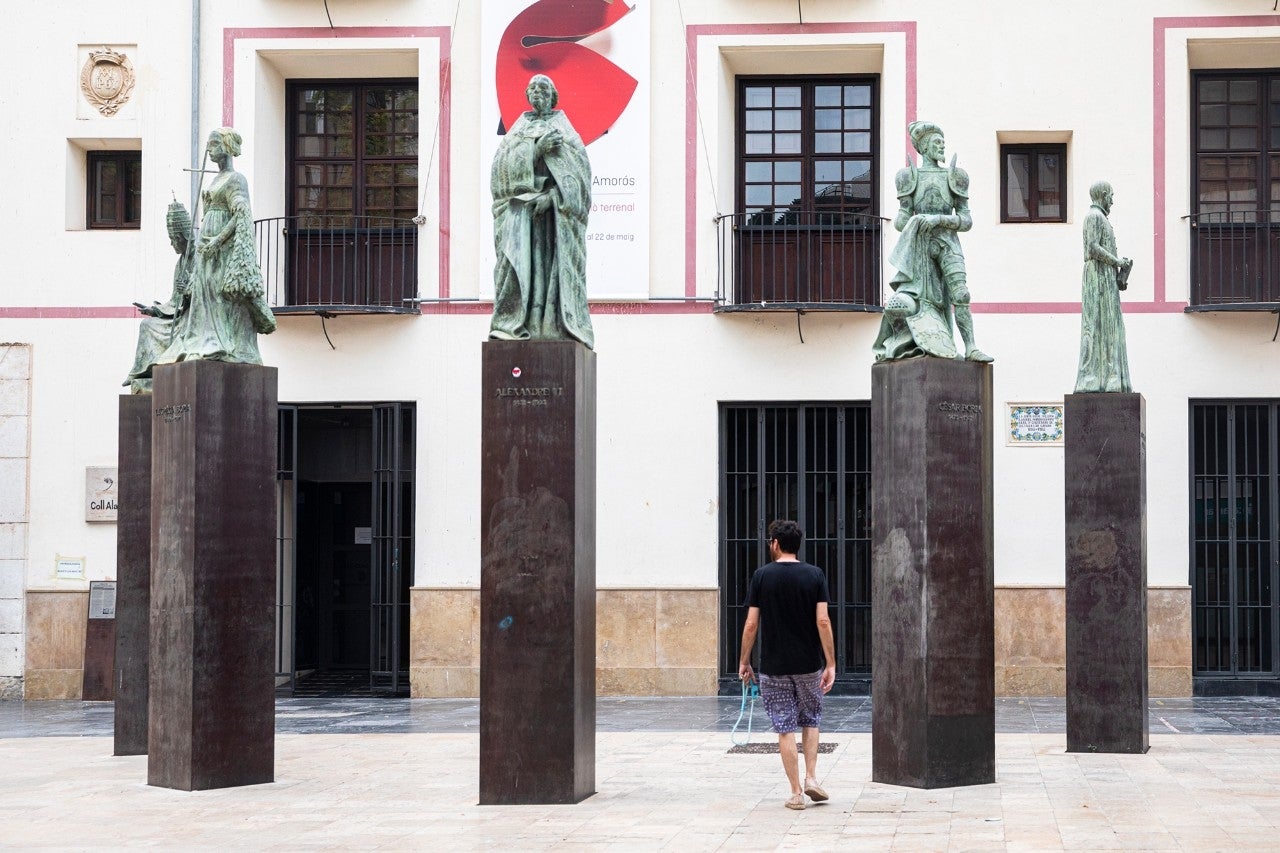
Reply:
x=649, y=642
x=10, y=687
x=654, y=642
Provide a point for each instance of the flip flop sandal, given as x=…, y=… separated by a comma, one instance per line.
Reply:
x=796, y=802
x=815, y=793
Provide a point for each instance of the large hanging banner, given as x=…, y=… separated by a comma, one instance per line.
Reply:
x=597, y=53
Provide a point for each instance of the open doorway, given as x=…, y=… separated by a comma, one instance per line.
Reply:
x=345, y=487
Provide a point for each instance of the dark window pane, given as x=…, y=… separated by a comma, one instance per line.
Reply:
x=826, y=96
x=787, y=143
x=787, y=96
x=787, y=170
x=827, y=120
x=759, y=120
x=787, y=120
x=857, y=96
x=759, y=171
x=758, y=96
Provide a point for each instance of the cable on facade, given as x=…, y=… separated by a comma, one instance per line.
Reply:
x=325, y=329
x=421, y=219
x=330, y=17
x=800, y=10
x=688, y=70
x=1277, y=332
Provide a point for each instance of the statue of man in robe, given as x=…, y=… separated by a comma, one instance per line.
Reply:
x=541, y=184
x=1104, y=356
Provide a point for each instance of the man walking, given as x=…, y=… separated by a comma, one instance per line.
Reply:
x=787, y=605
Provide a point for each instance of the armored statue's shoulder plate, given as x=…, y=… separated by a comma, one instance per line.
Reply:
x=906, y=180
x=958, y=180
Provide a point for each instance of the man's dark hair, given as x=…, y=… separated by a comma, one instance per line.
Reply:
x=788, y=534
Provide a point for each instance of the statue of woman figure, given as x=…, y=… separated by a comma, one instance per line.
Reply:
x=541, y=184
x=227, y=308
x=1104, y=358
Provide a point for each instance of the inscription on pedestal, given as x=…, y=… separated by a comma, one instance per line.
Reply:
x=537, y=637
x=212, y=709
x=933, y=639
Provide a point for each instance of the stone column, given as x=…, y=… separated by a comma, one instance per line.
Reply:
x=538, y=581
x=213, y=570
x=933, y=623
x=1106, y=539
x=133, y=575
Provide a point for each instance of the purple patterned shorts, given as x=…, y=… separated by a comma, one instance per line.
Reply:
x=793, y=701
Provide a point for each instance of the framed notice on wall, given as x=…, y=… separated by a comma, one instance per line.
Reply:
x=1034, y=424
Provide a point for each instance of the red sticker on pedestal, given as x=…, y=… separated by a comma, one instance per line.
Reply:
x=515, y=371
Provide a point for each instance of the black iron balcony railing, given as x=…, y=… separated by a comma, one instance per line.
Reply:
x=339, y=265
x=790, y=259
x=1235, y=260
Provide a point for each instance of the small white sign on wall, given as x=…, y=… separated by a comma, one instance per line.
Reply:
x=68, y=568
x=1034, y=424
x=101, y=493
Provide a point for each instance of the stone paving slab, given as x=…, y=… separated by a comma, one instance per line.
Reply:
x=656, y=791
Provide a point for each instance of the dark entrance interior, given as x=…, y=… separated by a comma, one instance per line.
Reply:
x=346, y=548
x=810, y=462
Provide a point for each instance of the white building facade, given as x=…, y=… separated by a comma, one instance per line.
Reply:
x=745, y=190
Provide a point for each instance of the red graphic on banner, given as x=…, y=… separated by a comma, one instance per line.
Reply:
x=543, y=39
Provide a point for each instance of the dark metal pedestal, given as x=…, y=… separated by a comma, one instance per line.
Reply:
x=537, y=587
x=212, y=720
x=933, y=639
x=133, y=575
x=1106, y=539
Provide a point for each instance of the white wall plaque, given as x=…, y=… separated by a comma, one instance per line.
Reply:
x=1034, y=424
x=101, y=493
x=68, y=568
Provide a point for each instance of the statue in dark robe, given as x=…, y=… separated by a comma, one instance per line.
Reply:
x=541, y=184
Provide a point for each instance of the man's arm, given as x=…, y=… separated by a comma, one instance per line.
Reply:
x=828, y=647
x=749, y=642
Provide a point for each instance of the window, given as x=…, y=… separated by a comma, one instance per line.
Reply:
x=1234, y=536
x=1236, y=188
x=806, y=232
x=1034, y=183
x=811, y=463
x=115, y=189
x=350, y=242
x=355, y=151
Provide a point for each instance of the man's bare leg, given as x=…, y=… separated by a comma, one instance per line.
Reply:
x=791, y=762
x=809, y=739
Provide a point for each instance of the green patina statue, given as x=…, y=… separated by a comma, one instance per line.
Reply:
x=931, y=281
x=222, y=306
x=1104, y=357
x=155, y=333
x=541, y=184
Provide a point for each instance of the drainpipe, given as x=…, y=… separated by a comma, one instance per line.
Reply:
x=195, y=105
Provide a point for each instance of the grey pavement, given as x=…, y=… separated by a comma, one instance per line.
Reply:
x=841, y=714
x=402, y=774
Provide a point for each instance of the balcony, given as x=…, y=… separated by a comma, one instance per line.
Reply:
x=339, y=265
x=1235, y=261
x=798, y=260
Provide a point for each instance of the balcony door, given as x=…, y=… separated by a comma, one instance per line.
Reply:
x=1235, y=215
x=807, y=231
x=350, y=238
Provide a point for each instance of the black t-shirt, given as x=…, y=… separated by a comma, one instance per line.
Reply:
x=788, y=595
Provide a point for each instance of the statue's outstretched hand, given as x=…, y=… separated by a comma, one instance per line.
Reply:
x=551, y=139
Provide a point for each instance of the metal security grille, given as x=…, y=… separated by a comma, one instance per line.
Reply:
x=810, y=462
x=1233, y=538
x=393, y=503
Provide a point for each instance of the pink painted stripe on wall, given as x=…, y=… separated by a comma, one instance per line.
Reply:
x=693, y=32
x=231, y=34
x=69, y=312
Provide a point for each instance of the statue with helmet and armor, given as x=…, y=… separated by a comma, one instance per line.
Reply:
x=931, y=282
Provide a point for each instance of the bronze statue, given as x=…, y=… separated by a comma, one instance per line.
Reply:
x=155, y=333
x=1104, y=356
x=541, y=185
x=931, y=281
x=226, y=304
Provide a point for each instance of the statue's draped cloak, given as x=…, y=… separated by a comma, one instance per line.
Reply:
x=540, y=287
x=1104, y=356
x=227, y=305
x=156, y=333
x=916, y=259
